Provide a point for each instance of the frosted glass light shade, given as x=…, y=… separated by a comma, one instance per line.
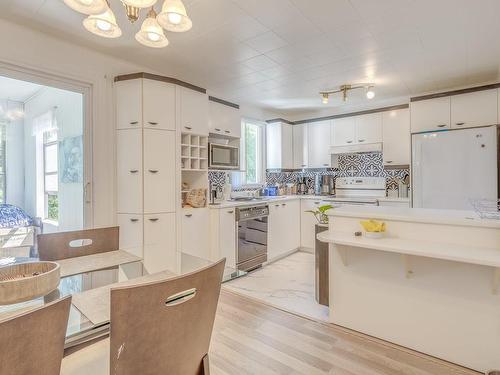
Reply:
x=87, y=6
x=173, y=16
x=103, y=24
x=140, y=3
x=151, y=34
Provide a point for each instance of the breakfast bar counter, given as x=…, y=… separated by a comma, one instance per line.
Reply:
x=430, y=283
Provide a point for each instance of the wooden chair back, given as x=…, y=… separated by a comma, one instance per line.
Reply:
x=33, y=342
x=63, y=245
x=165, y=327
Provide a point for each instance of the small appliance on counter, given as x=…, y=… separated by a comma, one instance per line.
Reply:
x=327, y=185
x=302, y=186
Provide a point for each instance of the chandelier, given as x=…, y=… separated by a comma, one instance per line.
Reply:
x=101, y=19
x=344, y=89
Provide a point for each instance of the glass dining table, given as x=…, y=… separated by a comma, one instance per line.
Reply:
x=90, y=291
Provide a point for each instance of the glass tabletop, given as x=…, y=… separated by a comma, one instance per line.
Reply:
x=80, y=327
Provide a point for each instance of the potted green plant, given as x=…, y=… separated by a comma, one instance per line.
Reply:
x=320, y=213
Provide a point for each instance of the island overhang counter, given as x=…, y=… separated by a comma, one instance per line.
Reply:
x=430, y=284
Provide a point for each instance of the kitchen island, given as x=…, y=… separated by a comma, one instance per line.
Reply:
x=431, y=284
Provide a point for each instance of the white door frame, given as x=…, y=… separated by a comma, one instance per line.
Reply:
x=84, y=88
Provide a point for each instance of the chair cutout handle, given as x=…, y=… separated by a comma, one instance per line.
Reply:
x=181, y=297
x=80, y=243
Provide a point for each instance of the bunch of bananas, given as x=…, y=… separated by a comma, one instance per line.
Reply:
x=373, y=225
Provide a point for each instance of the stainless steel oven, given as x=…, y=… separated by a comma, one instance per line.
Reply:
x=251, y=247
x=223, y=156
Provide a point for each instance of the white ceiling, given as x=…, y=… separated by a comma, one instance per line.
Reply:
x=279, y=54
x=16, y=90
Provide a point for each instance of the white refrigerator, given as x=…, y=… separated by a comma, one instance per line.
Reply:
x=451, y=168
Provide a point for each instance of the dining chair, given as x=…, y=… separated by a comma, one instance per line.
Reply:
x=33, y=342
x=63, y=245
x=157, y=328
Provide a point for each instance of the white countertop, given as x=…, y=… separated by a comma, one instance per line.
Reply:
x=430, y=249
x=416, y=215
x=263, y=200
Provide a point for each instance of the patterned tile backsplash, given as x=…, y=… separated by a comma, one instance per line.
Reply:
x=349, y=165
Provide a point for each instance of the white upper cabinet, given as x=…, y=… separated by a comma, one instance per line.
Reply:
x=478, y=108
x=343, y=131
x=129, y=171
x=279, y=140
x=299, y=146
x=159, y=105
x=194, y=112
x=430, y=114
x=129, y=104
x=369, y=128
x=224, y=120
x=159, y=171
x=396, y=137
x=318, y=141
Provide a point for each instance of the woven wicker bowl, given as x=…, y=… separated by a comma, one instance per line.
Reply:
x=25, y=281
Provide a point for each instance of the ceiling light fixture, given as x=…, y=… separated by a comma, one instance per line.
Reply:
x=151, y=33
x=344, y=89
x=370, y=94
x=103, y=24
x=87, y=7
x=173, y=16
x=102, y=21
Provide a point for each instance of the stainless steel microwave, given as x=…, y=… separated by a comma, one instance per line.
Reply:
x=223, y=156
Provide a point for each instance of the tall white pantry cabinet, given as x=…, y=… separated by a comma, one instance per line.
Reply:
x=146, y=171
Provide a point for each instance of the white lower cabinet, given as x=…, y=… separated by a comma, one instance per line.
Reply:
x=308, y=222
x=195, y=235
x=223, y=235
x=160, y=252
x=284, y=228
x=131, y=233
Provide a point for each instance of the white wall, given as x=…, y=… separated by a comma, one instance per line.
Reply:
x=69, y=116
x=31, y=49
x=14, y=155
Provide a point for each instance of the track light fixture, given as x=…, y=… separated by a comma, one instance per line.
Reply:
x=344, y=89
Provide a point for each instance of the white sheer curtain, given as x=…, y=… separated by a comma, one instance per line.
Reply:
x=44, y=122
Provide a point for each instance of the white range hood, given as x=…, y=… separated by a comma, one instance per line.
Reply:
x=355, y=149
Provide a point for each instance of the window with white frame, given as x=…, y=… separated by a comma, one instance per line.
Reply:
x=50, y=175
x=252, y=153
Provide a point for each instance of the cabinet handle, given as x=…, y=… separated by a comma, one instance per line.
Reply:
x=154, y=219
x=388, y=161
x=230, y=212
x=152, y=123
x=134, y=220
x=304, y=165
x=153, y=171
x=134, y=122
x=349, y=142
x=361, y=140
x=441, y=125
x=188, y=127
x=460, y=123
x=217, y=129
x=325, y=165
x=276, y=205
x=134, y=170
x=317, y=202
x=188, y=215
x=227, y=131
x=283, y=204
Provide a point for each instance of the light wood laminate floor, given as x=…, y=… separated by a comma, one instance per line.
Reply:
x=254, y=338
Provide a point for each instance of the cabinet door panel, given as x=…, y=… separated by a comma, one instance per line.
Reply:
x=274, y=231
x=344, y=131
x=431, y=114
x=195, y=232
x=160, y=251
x=307, y=222
x=474, y=109
x=396, y=137
x=273, y=145
x=131, y=230
x=159, y=171
x=224, y=120
x=129, y=104
x=227, y=236
x=286, y=146
x=129, y=171
x=159, y=105
x=291, y=229
x=318, y=137
x=299, y=146
x=194, y=112
x=369, y=128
